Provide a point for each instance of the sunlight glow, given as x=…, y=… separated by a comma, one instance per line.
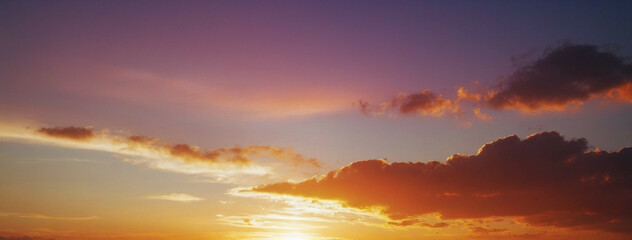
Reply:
x=294, y=236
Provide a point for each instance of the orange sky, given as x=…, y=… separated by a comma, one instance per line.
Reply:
x=310, y=120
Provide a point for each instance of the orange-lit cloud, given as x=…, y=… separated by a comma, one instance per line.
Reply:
x=563, y=79
x=234, y=155
x=478, y=114
x=463, y=94
x=222, y=164
x=543, y=180
x=566, y=75
x=417, y=222
x=72, y=132
x=425, y=103
x=622, y=93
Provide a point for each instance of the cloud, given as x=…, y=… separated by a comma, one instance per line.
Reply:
x=80, y=79
x=71, y=132
x=417, y=222
x=566, y=75
x=484, y=230
x=564, y=78
x=544, y=180
x=177, y=197
x=46, y=217
x=426, y=103
x=235, y=164
x=478, y=114
x=622, y=93
x=291, y=213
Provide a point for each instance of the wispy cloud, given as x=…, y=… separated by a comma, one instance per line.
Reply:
x=297, y=212
x=188, y=94
x=177, y=197
x=237, y=163
x=46, y=217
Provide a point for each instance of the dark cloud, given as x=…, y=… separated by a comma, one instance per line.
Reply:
x=543, y=179
x=72, y=132
x=565, y=75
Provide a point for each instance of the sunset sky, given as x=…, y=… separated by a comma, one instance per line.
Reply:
x=310, y=120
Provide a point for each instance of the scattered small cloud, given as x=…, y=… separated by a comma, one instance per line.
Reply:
x=71, y=132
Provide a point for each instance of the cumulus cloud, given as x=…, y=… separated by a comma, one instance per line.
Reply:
x=569, y=74
x=543, y=180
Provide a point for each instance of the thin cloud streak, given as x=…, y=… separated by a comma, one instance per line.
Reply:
x=46, y=217
x=236, y=164
x=177, y=197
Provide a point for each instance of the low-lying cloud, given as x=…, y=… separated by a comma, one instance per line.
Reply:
x=543, y=180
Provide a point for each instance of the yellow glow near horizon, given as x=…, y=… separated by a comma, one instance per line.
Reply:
x=294, y=236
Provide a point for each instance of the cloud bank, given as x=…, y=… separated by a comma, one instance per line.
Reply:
x=543, y=180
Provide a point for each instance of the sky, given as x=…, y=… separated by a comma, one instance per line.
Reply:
x=309, y=120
